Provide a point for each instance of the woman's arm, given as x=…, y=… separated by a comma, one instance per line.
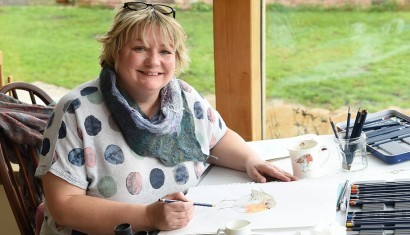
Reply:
x=70, y=206
x=233, y=152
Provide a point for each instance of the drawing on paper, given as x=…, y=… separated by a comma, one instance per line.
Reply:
x=305, y=161
x=257, y=201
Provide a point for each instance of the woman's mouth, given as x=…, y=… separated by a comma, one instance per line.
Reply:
x=150, y=73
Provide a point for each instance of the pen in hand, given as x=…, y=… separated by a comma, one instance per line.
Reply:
x=195, y=203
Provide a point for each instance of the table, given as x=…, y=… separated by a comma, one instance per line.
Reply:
x=376, y=170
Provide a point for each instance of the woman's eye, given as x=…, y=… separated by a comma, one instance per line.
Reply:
x=138, y=48
x=165, y=52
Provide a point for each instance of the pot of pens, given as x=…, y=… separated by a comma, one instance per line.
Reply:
x=352, y=152
x=351, y=143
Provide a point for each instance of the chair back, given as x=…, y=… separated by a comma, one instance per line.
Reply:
x=23, y=190
x=33, y=91
x=21, y=127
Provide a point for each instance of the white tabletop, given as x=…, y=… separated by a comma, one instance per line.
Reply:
x=376, y=170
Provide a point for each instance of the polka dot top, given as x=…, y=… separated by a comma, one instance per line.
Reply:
x=84, y=146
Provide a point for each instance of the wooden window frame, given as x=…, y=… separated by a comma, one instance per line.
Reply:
x=239, y=82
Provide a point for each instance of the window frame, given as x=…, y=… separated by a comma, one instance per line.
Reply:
x=238, y=54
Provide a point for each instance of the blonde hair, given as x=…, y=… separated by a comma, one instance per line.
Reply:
x=129, y=25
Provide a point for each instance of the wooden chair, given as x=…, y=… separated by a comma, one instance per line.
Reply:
x=18, y=162
x=34, y=92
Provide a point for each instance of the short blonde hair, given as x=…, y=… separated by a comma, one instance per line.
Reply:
x=130, y=25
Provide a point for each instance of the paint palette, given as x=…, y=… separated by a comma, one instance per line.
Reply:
x=388, y=135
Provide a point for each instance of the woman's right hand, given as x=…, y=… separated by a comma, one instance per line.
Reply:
x=170, y=216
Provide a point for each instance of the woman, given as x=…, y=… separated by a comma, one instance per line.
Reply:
x=118, y=143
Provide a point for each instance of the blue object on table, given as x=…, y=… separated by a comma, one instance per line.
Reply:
x=380, y=120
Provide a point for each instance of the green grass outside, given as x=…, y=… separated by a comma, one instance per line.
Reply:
x=317, y=58
x=56, y=44
x=332, y=59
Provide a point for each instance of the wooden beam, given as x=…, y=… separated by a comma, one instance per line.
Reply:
x=237, y=49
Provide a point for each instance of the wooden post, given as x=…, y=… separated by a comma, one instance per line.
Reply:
x=237, y=45
x=9, y=79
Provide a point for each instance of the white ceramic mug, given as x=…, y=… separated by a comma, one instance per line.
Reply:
x=236, y=227
x=308, y=157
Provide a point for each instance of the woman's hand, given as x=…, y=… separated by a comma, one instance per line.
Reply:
x=259, y=171
x=170, y=216
x=232, y=151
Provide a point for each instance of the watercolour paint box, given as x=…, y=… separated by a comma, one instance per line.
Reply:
x=388, y=135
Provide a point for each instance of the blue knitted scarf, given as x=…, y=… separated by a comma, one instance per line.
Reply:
x=171, y=139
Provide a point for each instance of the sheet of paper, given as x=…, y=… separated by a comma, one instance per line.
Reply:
x=276, y=148
x=298, y=204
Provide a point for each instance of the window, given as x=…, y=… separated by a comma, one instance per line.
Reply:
x=322, y=59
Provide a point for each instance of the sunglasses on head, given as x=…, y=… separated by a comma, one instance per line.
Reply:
x=136, y=6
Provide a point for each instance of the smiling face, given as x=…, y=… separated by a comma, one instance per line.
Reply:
x=143, y=69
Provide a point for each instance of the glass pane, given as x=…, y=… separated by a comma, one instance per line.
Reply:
x=198, y=24
x=58, y=46
x=320, y=60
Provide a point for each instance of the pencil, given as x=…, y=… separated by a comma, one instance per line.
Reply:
x=333, y=128
x=356, y=133
x=383, y=131
x=348, y=123
x=379, y=195
x=389, y=137
x=379, y=190
x=379, y=227
x=376, y=124
x=387, y=183
x=195, y=203
x=355, y=124
x=357, y=202
x=363, y=120
x=341, y=195
x=378, y=216
x=380, y=187
x=386, y=221
x=359, y=123
x=376, y=212
x=400, y=198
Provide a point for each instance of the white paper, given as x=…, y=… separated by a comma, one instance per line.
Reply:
x=276, y=148
x=298, y=204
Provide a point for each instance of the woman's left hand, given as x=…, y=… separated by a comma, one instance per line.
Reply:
x=259, y=171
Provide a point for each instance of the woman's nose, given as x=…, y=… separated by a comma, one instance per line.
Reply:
x=152, y=60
